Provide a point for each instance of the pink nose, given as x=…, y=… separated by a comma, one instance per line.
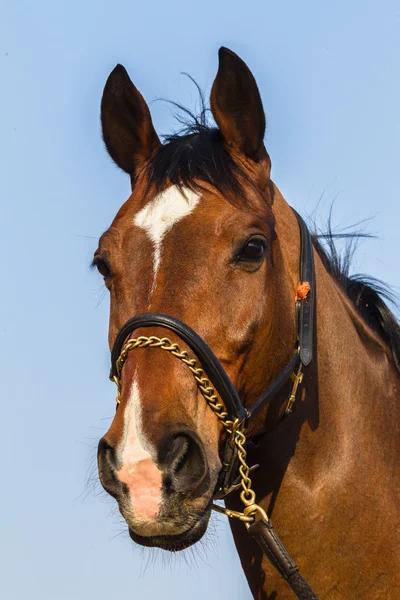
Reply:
x=144, y=482
x=181, y=468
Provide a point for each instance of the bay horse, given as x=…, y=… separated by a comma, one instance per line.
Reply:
x=207, y=238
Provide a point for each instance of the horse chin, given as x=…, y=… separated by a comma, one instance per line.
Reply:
x=174, y=543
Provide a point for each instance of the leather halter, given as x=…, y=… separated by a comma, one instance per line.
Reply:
x=303, y=348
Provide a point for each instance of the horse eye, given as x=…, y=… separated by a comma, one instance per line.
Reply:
x=253, y=251
x=102, y=267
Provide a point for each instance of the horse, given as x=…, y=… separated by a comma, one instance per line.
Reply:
x=207, y=238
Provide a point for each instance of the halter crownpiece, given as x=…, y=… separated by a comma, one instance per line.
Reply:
x=233, y=415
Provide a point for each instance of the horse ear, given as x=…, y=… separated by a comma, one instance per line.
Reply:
x=128, y=131
x=236, y=106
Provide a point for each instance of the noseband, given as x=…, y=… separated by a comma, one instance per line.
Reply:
x=233, y=415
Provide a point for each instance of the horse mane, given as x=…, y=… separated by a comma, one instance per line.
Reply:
x=368, y=294
x=196, y=154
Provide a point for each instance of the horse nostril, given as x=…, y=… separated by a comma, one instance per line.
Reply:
x=181, y=454
x=184, y=463
x=106, y=450
x=106, y=459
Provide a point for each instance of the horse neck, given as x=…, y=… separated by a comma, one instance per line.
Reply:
x=329, y=468
x=350, y=394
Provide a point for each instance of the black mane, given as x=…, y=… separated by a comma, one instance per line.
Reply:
x=368, y=294
x=197, y=154
x=186, y=160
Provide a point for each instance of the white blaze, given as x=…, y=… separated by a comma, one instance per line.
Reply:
x=139, y=471
x=161, y=214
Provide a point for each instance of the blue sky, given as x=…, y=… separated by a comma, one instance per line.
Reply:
x=329, y=75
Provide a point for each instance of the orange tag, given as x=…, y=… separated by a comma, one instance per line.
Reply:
x=302, y=290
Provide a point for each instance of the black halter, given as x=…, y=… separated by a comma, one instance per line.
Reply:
x=303, y=349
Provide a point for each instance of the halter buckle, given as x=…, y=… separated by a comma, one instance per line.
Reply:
x=297, y=378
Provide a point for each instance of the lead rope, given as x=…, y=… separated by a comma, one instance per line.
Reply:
x=261, y=530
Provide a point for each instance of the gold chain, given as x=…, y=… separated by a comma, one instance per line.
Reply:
x=233, y=428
